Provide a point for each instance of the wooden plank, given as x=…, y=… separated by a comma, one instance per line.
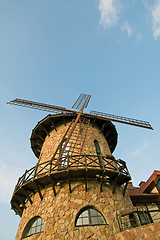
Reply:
x=53, y=185
x=36, y=142
x=64, y=121
x=19, y=210
x=21, y=201
x=93, y=123
x=39, y=135
x=125, y=188
x=53, y=125
x=27, y=195
x=102, y=128
x=37, y=149
x=38, y=190
x=115, y=184
x=45, y=129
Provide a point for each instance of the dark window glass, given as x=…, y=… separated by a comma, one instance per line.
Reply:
x=98, y=151
x=35, y=225
x=145, y=217
x=90, y=216
x=132, y=220
x=159, y=184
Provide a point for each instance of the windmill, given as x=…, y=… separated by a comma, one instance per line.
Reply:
x=72, y=162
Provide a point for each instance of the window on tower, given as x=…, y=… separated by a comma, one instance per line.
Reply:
x=89, y=216
x=64, y=159
x=35, y=225
x=98, y=151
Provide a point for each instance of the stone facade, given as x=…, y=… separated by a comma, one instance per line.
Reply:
x=59, y=213
x=54, y=138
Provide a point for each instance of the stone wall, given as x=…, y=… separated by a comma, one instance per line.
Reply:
x=59, y=213
x=54, y=138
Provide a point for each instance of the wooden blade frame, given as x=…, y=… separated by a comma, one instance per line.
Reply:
x=120, y=119
x=39, y=106
x=81, y=99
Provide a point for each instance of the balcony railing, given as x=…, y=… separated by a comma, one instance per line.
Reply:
x=108, y=164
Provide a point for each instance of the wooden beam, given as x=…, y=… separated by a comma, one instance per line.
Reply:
x=38, y=190
x=45, y=129
x=107, y=134
x=102, y=128
x=19, y=198
x=111, y=179
x=27, y=195
x=37, y=149
x=28, y=189
x=125, y=188
x=39, y=144
x=39, y=184
x=110, y=140
x=53, y=124
x=64, y=121
x=93, y=123
x=53, y=185
x=115, y=184
x=111, y=146
x=39, y=135
x=19, y=210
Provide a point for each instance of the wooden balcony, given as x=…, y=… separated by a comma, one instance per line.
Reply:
x=71, y=168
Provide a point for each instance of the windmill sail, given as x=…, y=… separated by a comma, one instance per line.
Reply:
x=120, y=119
x=39, y=106
x=80, y=101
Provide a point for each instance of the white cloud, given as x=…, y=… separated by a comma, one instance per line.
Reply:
x=140, y=149
x=155, y=10
x=109, y=10
x=127, y=27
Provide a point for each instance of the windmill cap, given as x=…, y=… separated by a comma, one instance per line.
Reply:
x=40, y=132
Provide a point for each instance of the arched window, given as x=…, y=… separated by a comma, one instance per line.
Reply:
x=98, y=151
x=89, y=216
x=35, y=225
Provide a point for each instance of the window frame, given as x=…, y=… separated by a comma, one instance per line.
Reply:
x=145, y=217
x=88, y=208
x=29, y=226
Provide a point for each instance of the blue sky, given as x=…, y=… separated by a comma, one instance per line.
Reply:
x=51, y=51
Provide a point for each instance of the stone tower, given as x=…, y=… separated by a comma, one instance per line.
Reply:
x=78, y=194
